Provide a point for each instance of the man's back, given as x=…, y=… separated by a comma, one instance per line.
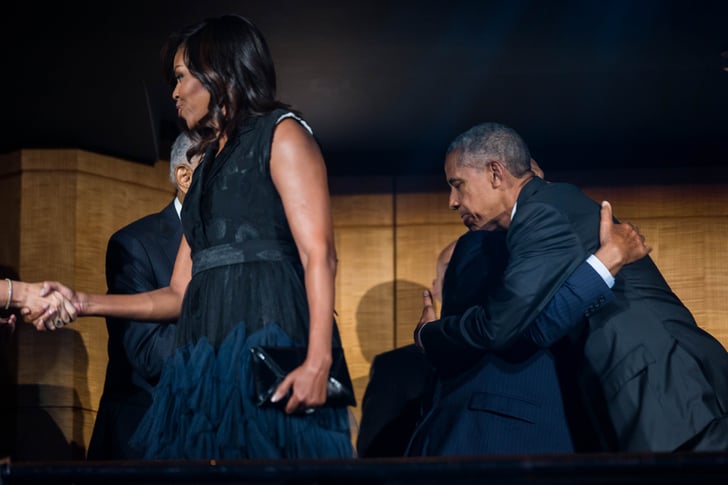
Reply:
x=662, y=377
x=485, y=403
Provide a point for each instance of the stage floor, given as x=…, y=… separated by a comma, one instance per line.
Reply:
x=622, y=469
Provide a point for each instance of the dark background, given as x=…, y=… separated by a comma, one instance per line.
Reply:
x=386, y=85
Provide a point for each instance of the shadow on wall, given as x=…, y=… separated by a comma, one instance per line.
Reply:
x=8, y=377
x=381, y=309
x=8, y=385
x=34, y=415
x=376, y=325
x=38, y=436
x=377, y=315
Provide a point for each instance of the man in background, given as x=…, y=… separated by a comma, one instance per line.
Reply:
x=139, y=257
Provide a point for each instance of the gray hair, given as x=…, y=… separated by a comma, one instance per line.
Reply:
x=487, y=142
x=178, y=155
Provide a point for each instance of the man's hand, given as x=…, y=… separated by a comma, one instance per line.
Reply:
x=428, y=315
x=620, y=244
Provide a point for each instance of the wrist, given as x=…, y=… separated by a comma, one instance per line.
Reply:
x=19, y=294
x=9, y=294
x=610, y=258
x=318, y=355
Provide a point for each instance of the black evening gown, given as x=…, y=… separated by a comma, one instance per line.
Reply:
x=247, y=288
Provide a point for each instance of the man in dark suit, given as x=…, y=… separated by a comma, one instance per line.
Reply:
x=401, y=380
x=660, y=379
x=139, y=257
x=489, y=403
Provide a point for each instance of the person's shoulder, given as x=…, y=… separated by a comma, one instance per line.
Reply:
x=291, y=133
x=539, y=192
x=540, y=186
x=275, y=116
x=282, y=122
x=292, y=120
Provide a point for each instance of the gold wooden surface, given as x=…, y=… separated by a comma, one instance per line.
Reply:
x=364, y=281
x=425, y=225
x=10, y=190
x=687, y=225
x=71, y=201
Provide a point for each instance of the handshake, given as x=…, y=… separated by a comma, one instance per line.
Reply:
x=46, y=305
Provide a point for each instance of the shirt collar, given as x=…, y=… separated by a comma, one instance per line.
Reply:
x=178, y=207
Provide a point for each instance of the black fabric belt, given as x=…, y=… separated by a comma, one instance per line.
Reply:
x=244, y=252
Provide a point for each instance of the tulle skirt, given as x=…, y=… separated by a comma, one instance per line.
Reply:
x=203, y=409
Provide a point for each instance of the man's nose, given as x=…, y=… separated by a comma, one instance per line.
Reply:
x=453, y=202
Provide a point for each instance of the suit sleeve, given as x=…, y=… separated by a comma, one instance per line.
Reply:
x=583, y=294
x=130, y=269
x=544, y=252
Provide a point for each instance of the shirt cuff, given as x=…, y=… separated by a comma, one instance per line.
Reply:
x=418, y=336
x=602, y=270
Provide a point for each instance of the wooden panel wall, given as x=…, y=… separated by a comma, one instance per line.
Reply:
x=687, y=225
x=389, y=232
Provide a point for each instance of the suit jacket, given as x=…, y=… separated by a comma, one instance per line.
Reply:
x=400, y=381
x=499, y=403
x=139, y=257
x=658, y=376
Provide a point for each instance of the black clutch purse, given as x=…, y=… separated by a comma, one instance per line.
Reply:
x=271, y=364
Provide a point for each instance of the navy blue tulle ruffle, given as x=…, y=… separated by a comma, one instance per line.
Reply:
x=202, y=409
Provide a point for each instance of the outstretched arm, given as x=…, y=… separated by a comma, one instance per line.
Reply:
x=163, y=304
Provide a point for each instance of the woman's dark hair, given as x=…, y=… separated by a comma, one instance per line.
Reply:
x=231, y=59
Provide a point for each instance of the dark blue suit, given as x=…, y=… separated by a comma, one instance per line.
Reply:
x=509, y=402
x=139, y=257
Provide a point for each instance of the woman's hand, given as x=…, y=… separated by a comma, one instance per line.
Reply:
x=307, y=384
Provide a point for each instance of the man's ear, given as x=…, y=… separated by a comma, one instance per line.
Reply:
x=536, y=169
x=183, y=174
x=496, y=171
